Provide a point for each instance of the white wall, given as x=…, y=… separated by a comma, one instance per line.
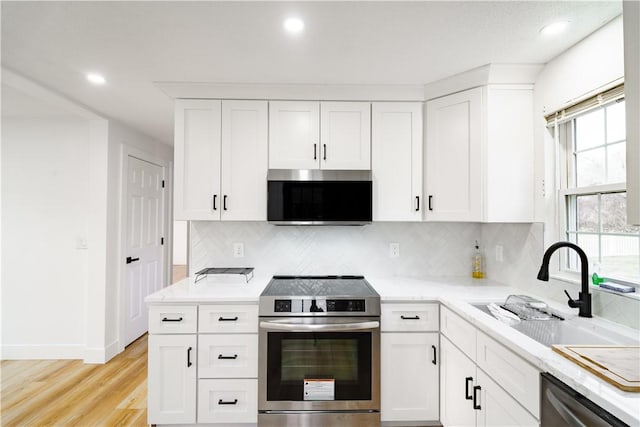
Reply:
x=61, y=184
x=180, y=242
x=45, y=194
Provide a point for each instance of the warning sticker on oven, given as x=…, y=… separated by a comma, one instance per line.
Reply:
x=319, y=389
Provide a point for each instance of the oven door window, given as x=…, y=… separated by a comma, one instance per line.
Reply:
x=344, y=357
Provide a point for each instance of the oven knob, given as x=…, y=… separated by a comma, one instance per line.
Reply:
x=314, y=308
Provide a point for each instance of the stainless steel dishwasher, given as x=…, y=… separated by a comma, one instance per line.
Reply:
x=563, y=406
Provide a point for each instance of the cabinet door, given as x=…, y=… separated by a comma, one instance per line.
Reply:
x=244, y=160
x=457, y=379
x=409, y=377
x=197, y=160
x=172, y=379
x=453, y=179
x=396, y=161
x=294, y=135
x=498, y=408
x=345, y=134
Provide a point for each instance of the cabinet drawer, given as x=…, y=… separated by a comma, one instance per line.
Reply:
x=173, y=319
x=228, y=356
x=459, y=331
x=409, y=317
x=222, y=318
x=520, y=379
x=228, y=401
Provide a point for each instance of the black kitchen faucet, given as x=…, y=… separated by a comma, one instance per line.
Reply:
x=583, y=303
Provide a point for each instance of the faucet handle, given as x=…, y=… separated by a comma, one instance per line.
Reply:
x=572, y=303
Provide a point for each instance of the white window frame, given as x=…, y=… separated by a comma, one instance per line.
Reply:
x=564, y=142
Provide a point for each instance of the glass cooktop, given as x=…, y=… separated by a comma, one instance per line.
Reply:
x=319, y=286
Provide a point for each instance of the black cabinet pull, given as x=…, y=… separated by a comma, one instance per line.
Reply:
x=215, y=196
x=325, y=152
x=235, y=356
x=227, y=319
x=224, y=202
x=410, y=317
x=467, y=381
x=315, y=151
x=475, y=397
x=166, y=319
x=229, y=402
x=189, y=357
x=130, y=260
x=417, y=203
x=430, y=198
x=435, y=351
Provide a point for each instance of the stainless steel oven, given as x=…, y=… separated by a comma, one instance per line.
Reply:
x=319, y=358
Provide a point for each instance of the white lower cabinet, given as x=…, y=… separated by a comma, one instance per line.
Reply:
x=483, y=383
x=172, y=379
x=409, y=359
x=228, y=401
x=199, y=377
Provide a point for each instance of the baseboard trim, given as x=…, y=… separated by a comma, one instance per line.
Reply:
x=100, y=355
x=42, y=352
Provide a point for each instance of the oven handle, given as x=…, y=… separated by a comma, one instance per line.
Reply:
x=334, y=327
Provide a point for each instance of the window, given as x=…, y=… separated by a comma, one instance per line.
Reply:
x=592, y=197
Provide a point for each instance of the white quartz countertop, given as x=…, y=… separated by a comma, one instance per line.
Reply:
x=455, y=293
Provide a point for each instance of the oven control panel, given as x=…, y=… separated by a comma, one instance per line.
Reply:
x=319, y=305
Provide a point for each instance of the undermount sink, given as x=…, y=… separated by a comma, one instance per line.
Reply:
x=575, y=331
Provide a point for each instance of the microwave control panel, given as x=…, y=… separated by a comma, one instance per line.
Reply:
x=319, y=305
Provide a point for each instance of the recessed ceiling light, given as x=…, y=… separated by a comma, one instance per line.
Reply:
x=554, y=28
x=96, y=79
x=294, y=25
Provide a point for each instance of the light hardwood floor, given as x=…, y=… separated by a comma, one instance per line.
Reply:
x=71, y=393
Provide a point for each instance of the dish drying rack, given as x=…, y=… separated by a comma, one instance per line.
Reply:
x=247, y=272
x=527, y=308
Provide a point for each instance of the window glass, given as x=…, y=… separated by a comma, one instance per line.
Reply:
x=590, y=167
x=616, y=122
x=590, y=130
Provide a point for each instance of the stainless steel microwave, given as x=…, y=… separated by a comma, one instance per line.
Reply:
x=319, y=197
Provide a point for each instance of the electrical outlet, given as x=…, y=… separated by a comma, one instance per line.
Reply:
x=394, y=250
x=81, y=243
x=238, y=250
x=499, y=253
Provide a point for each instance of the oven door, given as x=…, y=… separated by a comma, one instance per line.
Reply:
x=319, y=364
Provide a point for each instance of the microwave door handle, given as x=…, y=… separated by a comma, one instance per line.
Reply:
x=336, y=327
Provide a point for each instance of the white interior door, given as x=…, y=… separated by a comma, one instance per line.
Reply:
x=143, y=250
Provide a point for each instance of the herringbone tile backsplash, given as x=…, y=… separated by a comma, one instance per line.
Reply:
x=426, y=249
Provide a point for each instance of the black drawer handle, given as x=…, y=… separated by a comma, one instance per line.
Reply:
x=215, y=196
x=325, y=151
x=315, y=152
x=430, y=207
x=467, y=381
x=410, y=317
x=229, y=402
x=417, y=203
x=224, y=202
x=189, y=357
x=475, y=397
x=166, y=319
x=435, y=352
x=130, y=260
x=227, y=319
x=235, y=356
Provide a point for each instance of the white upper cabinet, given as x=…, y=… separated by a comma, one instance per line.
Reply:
x=452, y=157
x=314, y=135
x=345, y=135
x=479, y=155
x=294, y=135
x=244, y=160
x=220, y=160
x=197, y=159
x=396, y=161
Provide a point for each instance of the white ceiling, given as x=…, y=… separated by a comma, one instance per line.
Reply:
x=135, y=44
